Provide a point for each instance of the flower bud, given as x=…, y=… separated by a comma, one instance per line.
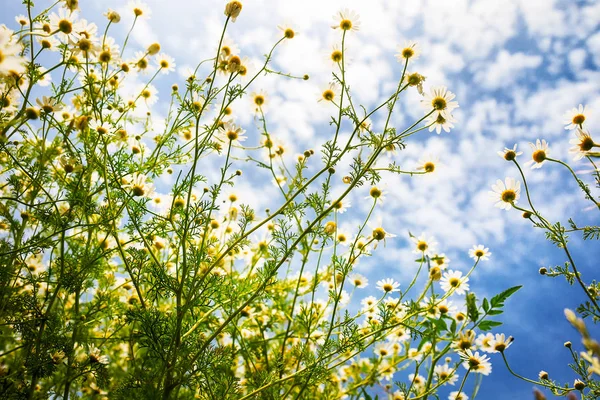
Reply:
x=233, y=9
x=153, y=49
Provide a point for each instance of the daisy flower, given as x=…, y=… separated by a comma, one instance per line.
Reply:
x=358, y=280
x=379, y=233
x=341, y=206
x=501, y=342
x=228, y=47
x=457, y=396
x=485, y=342
x=233, y=9
x=96, y=357
x=368, y=303
x=259, y=100
x=454, y=280
x=165, y=62
x=428, y=164
x=440, y=260
x=231, y=132
x=137, y=185
x=330, y=93
x=424, y=245
x=288, y=30
x=575, y=117
x=377, y=194
x=510, y=154
x=445, y=374
x=445, y=307
x=388, y=285
x=506, y=193
x=22, y=20
x=439, y=100
x=583, y=144
x=63, y=22
x=335, y=55
x=346, y=20
x=398, y=335
x=149, y=94
x=410, y=49
x=480, y=252
x=139, y=9
x=539, y=155
x=439, y=121
x=476, y=363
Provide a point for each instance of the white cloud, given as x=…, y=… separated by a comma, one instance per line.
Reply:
x=506, y=69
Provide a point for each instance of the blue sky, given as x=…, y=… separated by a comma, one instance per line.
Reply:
x=515, y=65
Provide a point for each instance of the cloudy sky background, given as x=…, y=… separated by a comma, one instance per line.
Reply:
x=515, y=65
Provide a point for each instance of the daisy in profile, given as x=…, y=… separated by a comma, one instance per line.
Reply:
x=341, y=206
x=510, y=154
x=139, y=9
x=575, y=117
x=506, y=193
x=501, y=342
x=330, y=93
x=346, y=20
x=480, y=252
x=438, y=122
x=454, y=280
x=408, y=51
x=439, y=100
x=539, y=155
x=583, y=144
x=485, y=342
x=424, y=245
x=233, y=9
x=388, y=285
x=476, y=363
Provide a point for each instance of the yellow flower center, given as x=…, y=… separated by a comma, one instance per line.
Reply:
x=164, y=64
x=408, y=52
x=336, y=56
x=479, y=253
x=138, y=190
x=375, y=192
x=539, y=156
x=259, y=100
x=439, y=103
x=65, y=26
x=232, y=135
x=578, y=119
x=454, y=282
x=422, y=246
x=508, y=196
x=388, y=287
x=429, y=167
x=146, y=94
x=346, y=24
x=378, y=234
x=328, y=95
x=473, y=362
x=142, y=63
x=586, y=143
x=510, y=155
x=138, y=11
x=289, y=33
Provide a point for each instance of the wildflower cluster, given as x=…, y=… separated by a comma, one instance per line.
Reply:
x=133, y=268
x=506, y=195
